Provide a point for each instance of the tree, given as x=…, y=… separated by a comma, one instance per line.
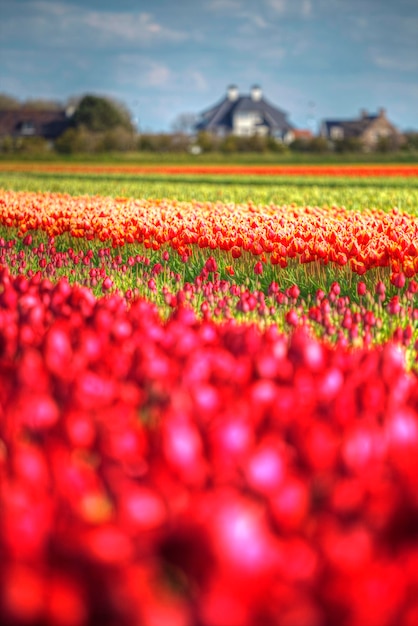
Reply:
x=318, y=144
x=348, y=144
x=7, y=144
x=163, y=142
x=390, y=144
x=252, y=143
x=207, y=142
x=411, y=140
x=119, y=139
x=101, y=114
x=75, y=140
x=31, y=145
x=184, y=123
x=8, y=102
x=300, y=144
x=275, y=145
x=229, y=144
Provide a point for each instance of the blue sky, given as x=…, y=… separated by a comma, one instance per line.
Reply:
x=315, y=59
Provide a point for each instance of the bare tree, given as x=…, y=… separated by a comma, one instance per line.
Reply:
x=184, y=123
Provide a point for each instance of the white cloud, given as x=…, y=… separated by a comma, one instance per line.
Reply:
x=301, y=8
x=197, y=80
x=253, y=19
x=62, y=22
x=139, y=72
x=395, y=61
x=280, y=6
x=136, y=27
x=158, y=75
x=223, y=5
x=273, y=53
x=239, y=10
x=306, y=8
x=59, y=9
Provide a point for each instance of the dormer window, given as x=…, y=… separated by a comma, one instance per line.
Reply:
x=27, y=128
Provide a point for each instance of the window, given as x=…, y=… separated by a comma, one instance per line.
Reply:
x=244, y=123
x=336, y=132
x=27, y=128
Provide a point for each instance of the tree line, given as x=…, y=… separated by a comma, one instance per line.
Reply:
x=101, y=124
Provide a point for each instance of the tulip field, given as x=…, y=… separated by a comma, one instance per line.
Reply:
x=208, y=396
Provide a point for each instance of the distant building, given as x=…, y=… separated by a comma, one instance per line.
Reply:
x=368, y=129
x=28, y=122
x=304, y=134
x=245, y=116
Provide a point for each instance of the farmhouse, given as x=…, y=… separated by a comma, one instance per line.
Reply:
x=29, y=122
x=369, y=130
x=244, y=116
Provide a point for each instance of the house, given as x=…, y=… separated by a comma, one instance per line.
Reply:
x=302, y=134
x=369, y=130
x=245, y=116
x=30, y=122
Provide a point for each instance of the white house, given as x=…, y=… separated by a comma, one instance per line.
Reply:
x=245, y=115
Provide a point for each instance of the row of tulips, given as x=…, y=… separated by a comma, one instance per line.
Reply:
x=353, y=171
x=360, y=240
x=186, y=472
x=362, y=314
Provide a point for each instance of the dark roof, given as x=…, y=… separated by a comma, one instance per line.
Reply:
x=49, y=124
x=351, y=128
x=221, y=115
x=303, y=133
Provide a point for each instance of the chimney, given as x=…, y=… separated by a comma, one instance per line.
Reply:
x=363, y=114
x=232, y=93
x=382, y=112
x=256, y=93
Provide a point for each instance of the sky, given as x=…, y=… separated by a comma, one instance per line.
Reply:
x=314, y=59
